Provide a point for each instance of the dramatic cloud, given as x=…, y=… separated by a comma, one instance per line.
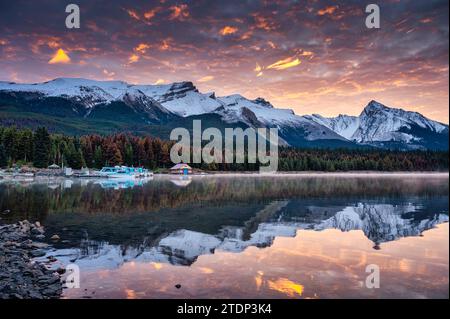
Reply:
x=228, y=30
x=311, y=56
x=179, y=12
x=142, y=47
x=150, y=14
x=59, y=57
x=284, y=64
x=327, y=10
x=133, y=58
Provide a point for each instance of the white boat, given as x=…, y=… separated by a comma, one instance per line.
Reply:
x=117, y=172
x=125, y=172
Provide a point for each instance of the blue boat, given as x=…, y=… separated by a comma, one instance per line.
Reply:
x=125, y=172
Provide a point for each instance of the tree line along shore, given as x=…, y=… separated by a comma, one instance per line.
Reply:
x=39, y=148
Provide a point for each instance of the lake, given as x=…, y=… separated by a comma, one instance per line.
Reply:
x=244, y=236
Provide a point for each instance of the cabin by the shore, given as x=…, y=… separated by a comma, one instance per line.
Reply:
x=182, y=169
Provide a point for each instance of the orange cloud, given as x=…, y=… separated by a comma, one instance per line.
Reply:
x=327, y=10
x=258, y=69
x=151, y=13
x=142, y=48
x=228, y=30
x=59, y=57
x=51, y=42
x=133, y=58
x=179, y=12
x=160, y=81
x=205, y=79
x=307, y=54
x=246, y=35
x=284, y=64
x=264, y=23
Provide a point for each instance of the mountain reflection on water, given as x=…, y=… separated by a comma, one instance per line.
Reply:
x=104, y=223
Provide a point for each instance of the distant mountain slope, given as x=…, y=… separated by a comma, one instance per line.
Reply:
x=344, y=125
x=381, y=126
x=81, y=106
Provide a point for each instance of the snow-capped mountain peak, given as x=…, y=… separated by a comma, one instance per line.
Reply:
x=374, y=106
x=380, y=125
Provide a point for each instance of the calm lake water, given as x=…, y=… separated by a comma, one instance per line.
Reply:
x=289, y=236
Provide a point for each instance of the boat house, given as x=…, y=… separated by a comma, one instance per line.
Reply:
x=181, y=168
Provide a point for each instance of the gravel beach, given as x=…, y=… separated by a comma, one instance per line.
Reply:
x=20, y=276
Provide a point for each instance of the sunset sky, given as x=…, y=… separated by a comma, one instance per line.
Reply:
x=311, y=56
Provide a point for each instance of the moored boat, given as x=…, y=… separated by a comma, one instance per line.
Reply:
x=125, y=172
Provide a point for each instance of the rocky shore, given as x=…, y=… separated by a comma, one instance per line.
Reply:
x=20, y=276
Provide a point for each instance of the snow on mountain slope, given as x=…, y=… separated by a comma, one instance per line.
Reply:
x=143, y=104
x=381, y=123
x=344, y=125
x=192, y=103
x=95, y=92
x=180, y=98
x=259, y=112
x=378, y=123
x=265, y=112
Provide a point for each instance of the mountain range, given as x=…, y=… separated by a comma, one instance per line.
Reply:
x=80, y=106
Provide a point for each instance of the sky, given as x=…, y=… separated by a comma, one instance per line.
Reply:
x=312, y=56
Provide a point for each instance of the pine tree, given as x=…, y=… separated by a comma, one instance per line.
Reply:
x=88, y=151
x=98, y=157
x=74, y=156
x=41, y=150
x=3, y=158
x=24, y=145
x=128, y=155
x=9, y=142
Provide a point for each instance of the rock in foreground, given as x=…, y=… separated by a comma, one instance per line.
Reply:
x=20, y=277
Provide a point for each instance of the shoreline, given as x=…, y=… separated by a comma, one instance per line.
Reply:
x=238, y=174
x=21, y=277
x=258, y=173
x=308, y=173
